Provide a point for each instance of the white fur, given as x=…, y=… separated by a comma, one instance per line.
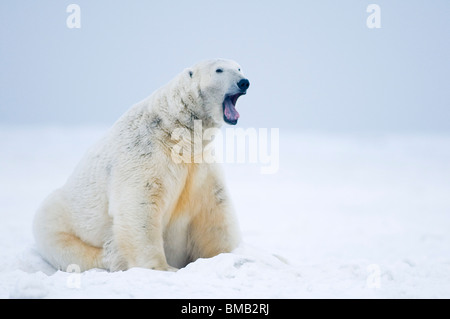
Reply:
x=127, y=204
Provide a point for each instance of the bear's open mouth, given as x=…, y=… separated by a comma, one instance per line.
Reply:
x=230, y=115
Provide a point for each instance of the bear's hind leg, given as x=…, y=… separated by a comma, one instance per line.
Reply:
x=57, y=243
x=70, y=251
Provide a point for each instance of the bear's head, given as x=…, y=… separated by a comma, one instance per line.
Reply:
x=220, y=82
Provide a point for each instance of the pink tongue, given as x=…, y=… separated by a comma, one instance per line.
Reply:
x=229, y=111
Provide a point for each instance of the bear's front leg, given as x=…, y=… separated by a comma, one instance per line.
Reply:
x=214, y=229
x=137, y=227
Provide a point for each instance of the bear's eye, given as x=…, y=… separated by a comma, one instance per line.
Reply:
x=219, y=71
x=239, y=70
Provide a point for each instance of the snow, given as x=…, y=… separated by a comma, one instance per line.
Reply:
x=346, y=216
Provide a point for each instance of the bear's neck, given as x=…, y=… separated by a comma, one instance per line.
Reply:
x=183, y=106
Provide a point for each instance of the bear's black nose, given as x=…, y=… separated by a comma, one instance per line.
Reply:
x=243, y=84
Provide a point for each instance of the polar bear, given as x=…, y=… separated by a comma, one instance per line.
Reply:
x=129, y=204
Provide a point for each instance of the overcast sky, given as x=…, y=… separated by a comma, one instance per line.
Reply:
x=313, y=65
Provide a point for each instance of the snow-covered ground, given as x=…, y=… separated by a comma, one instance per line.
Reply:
x=346, y=216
